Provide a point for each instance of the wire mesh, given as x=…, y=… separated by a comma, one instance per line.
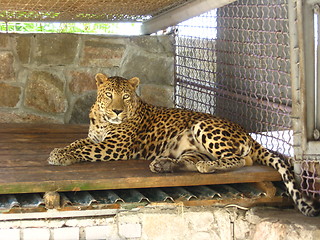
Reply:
x=234, y=62
x=309, y=175
x=82, y=10
x=309, y=163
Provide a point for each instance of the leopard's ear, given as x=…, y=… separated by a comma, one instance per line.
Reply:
x=100, y=78
x=134, y=82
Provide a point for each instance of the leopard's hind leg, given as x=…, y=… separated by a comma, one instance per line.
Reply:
x=226, y=143
x=208, y=150
x=232, y=161
x=186, y=162
x=194, y=161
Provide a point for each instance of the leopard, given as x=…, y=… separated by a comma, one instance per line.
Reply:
x=124, y=127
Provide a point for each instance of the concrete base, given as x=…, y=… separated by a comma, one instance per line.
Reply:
x=162, y=222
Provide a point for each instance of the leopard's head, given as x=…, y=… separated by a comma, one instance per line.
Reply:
x=116, y=98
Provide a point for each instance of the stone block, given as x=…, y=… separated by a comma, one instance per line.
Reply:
x=44, y=92
x=199, y=221
x=277, y=224
x=22, y=117
x=56, y=49
x=269, y=231
x=96, y=232
x=102, y=53
x=157, y=94
x=154, y=44
x=9, y=234
x=23, y=48
x=66, y=233
x=4, y=40
x=6, y=66
x=36, y=234
x=150, y=68
x=81, y=108
x=9, y=95
x=162, y=226
x=129, y=225
x=81, y=82
x=241, y=229
x=167, y=41
x=202, y=236
x=111, y=229
x=222, y=226
x=130, y=230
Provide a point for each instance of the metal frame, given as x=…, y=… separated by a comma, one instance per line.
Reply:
x=180, y=14
x=305, y=78
x=306, y=104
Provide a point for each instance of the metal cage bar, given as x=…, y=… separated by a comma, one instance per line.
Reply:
x=305, y=116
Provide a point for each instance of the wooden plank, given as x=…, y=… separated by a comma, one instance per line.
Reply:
x=23, y=160
x=116, y=175
x=22, y=148
x=24, y=166
x=31, y=151
x=25, y=137
x=43, y=128
x=277, y=201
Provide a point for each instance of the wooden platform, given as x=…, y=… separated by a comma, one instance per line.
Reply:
x=24, y=149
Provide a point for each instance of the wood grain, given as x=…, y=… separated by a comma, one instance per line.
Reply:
x=24, y=149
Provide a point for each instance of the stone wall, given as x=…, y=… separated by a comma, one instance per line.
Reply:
x=49, y=78
x=162, y=223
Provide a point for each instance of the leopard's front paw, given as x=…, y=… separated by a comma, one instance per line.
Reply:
x=59, y=156
x=162, y=165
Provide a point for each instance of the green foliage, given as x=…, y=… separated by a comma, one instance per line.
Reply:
x=91, y=28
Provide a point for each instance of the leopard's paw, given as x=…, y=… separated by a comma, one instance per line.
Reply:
x=205, y=167
x=162, y=165
x=59, y=156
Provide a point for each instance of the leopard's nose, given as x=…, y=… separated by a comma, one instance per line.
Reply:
x=116, y=111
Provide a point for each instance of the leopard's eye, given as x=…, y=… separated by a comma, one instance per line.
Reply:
x=126, y=96
x=109, y=94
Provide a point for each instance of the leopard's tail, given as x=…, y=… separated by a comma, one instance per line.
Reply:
x=307, y=206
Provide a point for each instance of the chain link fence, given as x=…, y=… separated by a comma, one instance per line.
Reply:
x=309, y=175
x=234, y=62
x=83, y=10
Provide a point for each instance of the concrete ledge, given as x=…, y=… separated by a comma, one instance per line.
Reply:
x=169, y=222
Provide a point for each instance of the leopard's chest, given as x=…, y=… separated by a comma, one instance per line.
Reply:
x=97, y=133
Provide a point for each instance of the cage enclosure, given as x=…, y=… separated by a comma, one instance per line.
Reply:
x=242, y=62
x=252, y=62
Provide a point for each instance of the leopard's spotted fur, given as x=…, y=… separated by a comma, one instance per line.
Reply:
x=124, y=127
